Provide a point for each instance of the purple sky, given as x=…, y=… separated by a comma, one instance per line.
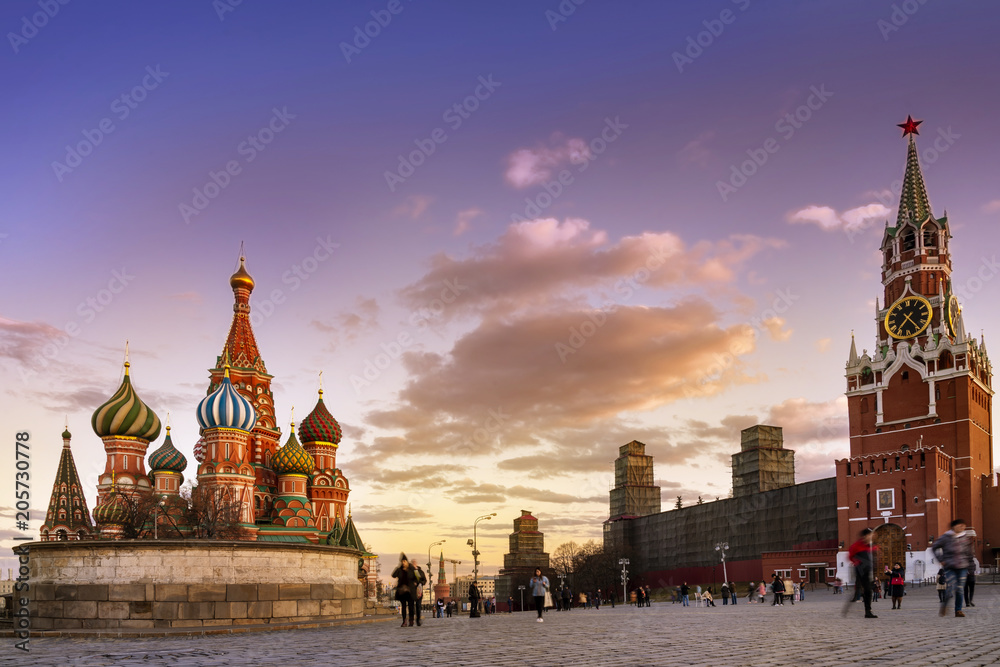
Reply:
x=568, y=176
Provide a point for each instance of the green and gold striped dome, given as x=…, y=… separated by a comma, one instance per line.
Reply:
x=292, y=459
x=114, y=511
x=124, y=414
x=167, y=457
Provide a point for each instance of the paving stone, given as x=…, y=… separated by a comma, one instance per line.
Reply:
x=811, y=633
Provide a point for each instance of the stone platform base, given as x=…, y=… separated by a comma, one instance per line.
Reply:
x=145, y=585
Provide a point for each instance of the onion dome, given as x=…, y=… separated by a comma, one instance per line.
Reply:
x=319, y=425
x=226, y=408
x=167, y=457
x=199, y=450
x=113, y=511
x=124, y=414
x=292, y=459
x=66, y=435
x=241, y=278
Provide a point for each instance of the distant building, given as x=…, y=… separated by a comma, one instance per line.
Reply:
x=762, y=464
x=634, y=493
x=459, y=589
x=797, y=520
x=527, y=551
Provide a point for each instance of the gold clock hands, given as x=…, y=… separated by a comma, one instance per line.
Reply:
x=906, y=318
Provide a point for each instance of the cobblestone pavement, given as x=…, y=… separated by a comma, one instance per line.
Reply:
x=812, y=632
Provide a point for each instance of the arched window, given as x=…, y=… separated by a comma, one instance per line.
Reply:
x=867, y=377
x=930, y=236
x=864, y=405
x=909, y=240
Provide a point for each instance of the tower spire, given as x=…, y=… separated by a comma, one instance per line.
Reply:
x=852, y=358
x=913, y=202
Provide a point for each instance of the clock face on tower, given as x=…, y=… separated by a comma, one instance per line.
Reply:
x=954, y=310
x=908, y=317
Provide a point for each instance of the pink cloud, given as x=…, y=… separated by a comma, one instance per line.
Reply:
x=533, y=166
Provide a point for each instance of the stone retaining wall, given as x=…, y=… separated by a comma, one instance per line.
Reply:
x=133, y=584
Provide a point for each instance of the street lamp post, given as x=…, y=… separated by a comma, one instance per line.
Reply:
x=722, y=548
x=521, y=588
x=430, y=575
x=624, y=563
x=156, y=516
x=474, y=543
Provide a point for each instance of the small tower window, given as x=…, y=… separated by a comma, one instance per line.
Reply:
x=909, y=240
x=930, y=237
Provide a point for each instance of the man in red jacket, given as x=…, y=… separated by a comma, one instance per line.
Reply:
x=862, y=555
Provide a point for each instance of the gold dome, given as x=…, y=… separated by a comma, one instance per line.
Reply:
x=241, y=278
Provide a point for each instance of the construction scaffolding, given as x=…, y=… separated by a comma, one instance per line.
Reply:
x=777, y=520
x=762, y=463
x=634, y=493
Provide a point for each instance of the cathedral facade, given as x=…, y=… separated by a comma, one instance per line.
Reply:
x=290, y=492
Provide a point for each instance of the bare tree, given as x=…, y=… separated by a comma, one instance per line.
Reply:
x=215, y=514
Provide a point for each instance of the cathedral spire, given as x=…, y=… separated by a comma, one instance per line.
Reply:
x=67, y=517
x=913, y=203
x=852, y=357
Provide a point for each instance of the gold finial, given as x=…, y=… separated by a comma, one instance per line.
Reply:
x=321, y=384
x=348, y=511
x=225, y=372
x=127, y=364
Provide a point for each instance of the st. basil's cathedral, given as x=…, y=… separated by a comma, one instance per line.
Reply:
x=290, y=493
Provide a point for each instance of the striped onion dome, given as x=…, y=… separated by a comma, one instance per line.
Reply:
x=199, y=450
x=124, y=414
x=319, y=425
x=167, y=457
x=226, y=408
x=292, y=459
x=114, y=510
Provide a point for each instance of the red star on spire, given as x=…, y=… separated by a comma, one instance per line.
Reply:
x=910, y=126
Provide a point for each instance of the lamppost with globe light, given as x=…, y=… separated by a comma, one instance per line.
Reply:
x=156, y=516
x=722, y=548
x=430, y=575
x=624, y=563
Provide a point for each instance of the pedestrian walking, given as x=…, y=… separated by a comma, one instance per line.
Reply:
x=612, y=597
x=406, y=583
x=942, y=586
x=970, y=582
x=649, y=596
x=597, y=599
x=862, y=555
x=761, y=593
x=567, y=597
x=539, y=587
x=751, y=593
x=954, y=552
x=418, y=596
x=778, y=589
x=684, y=594
x=897, y=584
x=725, y=594
x=707, y=597
x=732, y=591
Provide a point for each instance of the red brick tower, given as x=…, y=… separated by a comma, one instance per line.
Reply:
x=250, y=378
x=920, y=403
x=328, y=488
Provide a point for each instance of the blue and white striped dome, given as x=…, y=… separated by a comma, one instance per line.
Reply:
x=226, y=408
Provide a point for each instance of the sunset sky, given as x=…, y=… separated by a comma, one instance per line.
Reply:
x=513, y=237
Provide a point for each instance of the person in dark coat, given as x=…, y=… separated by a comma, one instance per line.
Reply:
x=406, y=585
x=897, y=585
